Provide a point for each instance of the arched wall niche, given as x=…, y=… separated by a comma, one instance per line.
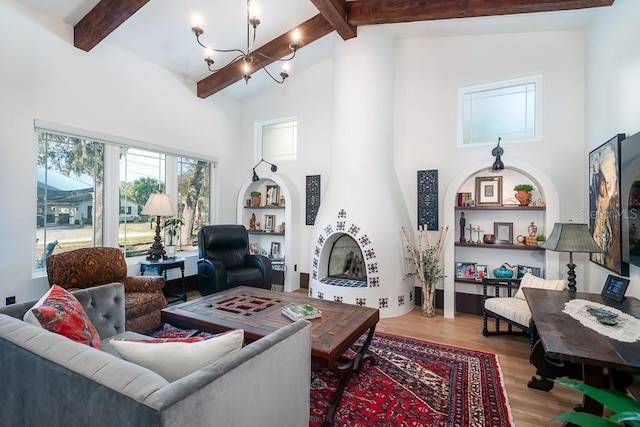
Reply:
x=541, y=181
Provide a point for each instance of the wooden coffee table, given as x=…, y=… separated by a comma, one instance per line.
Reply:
x=258, y=312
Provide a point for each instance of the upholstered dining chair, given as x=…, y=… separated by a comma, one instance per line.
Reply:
x=224, y=260
x=88, y=267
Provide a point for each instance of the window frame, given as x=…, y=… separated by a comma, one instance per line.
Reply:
x=111, y=202
x=538, y=113
x=259, y=148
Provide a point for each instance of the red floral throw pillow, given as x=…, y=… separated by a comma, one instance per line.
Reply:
x=63, y=314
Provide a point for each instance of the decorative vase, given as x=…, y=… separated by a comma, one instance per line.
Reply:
x=524, y=197
x=255, y=201
x=489, y=238
x=428, y=299
x=503, y=273
x=532, y=229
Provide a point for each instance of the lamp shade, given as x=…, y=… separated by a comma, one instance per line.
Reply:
x=570, y=237
x=158, y=204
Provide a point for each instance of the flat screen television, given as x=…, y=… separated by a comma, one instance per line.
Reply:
x=630, y=198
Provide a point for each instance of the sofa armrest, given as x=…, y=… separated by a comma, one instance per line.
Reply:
x=278, y=397
x=148, y=284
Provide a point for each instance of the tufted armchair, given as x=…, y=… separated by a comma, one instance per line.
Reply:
x=224, y=260
x=89, y=267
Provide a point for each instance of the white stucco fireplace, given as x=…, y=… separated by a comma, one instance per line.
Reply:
x=363, y=198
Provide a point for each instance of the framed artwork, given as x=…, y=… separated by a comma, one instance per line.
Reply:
x=614, y=288
x=524, y=269
x=253, y=248
x=273, y=195
x=275, y=249
x=269, y=222
x=605, y=219
x=481, y=272
x=489, y=191
x=503, y=232
x=466, y=270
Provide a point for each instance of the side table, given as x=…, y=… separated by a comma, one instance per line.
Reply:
x=160, y=267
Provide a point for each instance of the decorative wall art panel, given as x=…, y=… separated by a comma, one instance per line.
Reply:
x=428, y=199
x=313, y=199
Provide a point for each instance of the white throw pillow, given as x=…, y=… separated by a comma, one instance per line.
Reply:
x=531, y=281
x=29, y=317
x=177, y=358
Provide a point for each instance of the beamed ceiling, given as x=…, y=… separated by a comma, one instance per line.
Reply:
x=343, y=17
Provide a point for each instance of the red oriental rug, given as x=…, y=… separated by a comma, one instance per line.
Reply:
x=413, y=383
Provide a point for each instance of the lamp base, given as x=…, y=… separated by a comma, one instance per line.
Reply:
x=571, y=277
x=156, y=251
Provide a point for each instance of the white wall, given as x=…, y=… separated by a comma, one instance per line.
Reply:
x=612, y=94
x=42, y=76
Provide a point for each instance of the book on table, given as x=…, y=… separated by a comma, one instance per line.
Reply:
x=302, y=311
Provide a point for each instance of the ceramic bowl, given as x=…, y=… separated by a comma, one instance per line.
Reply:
x=503, y=273
x=489, y=238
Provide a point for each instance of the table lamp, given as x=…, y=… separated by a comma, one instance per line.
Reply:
x=158, y=204
x=570, y=237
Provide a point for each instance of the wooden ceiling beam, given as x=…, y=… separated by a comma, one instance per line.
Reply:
x=369, y=12
x=310, y=31
x=105, y=17
x=335, y=11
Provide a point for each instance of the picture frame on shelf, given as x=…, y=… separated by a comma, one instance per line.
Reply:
x=489, y=191
x=269, y=222
x=481, y=272
x=605, y=219
x=275, y=250
x=466, y=270
x=524, y=269
x=272, y=195
x=253, y=248
x=503, y=232
x=614, y=288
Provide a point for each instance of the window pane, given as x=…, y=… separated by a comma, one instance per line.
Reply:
x=141, y=173
x=70, y=194
x=194, y=195
x=279, y=141
x=508, y=112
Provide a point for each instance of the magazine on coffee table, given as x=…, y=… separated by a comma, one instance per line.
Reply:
x=302, y=311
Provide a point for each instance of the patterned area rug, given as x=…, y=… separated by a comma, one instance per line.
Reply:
x=413, y=383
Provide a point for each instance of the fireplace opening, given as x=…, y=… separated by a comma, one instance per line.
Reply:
x=346, y=260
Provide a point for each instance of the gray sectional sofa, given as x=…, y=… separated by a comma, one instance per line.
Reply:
x=47, y=379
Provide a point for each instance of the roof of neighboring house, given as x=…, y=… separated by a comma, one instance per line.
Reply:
x=61, y=188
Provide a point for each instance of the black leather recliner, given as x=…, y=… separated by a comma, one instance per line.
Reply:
x=224, y=261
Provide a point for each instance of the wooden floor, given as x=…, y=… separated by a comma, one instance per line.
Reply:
x=529, y=407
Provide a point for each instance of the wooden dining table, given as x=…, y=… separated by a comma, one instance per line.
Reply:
x=568, y=348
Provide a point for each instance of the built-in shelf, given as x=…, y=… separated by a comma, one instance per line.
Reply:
x=265, y=233
x=505, y=208
x=265, y=207
x=499, y=246
x=479, y=282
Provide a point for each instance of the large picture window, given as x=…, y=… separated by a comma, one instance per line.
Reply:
x=509, y=110
x=73, y=192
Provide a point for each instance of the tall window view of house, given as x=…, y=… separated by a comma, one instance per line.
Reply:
x=71, y=190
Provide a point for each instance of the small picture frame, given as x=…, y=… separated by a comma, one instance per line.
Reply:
x=269, y=222
x=466, y=270
x=524, y=269
x=489, y=191
x=481, y=272
x=275, y=250
x=614, y=288
x=503, y=232
x=253, y=248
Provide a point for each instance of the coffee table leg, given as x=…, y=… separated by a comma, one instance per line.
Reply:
x=345, y=368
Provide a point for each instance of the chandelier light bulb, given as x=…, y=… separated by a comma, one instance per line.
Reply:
x=196, y=20
x=254, y=11
x=296, y=36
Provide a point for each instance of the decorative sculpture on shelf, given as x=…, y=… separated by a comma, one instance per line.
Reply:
x=463, y=222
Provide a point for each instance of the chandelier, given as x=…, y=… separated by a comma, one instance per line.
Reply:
x=248, y=56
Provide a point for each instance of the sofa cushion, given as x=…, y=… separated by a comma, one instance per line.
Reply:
x=60, y=312
x=174, y=358
x=531, y=281
x=514, y=309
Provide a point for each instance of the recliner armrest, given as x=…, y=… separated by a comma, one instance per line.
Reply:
x=212, y=275
x=264, y=264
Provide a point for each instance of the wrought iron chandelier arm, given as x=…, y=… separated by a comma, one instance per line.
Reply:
x=283, y=59
x=241, y=52
x=283, y=74
x=233, y=61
